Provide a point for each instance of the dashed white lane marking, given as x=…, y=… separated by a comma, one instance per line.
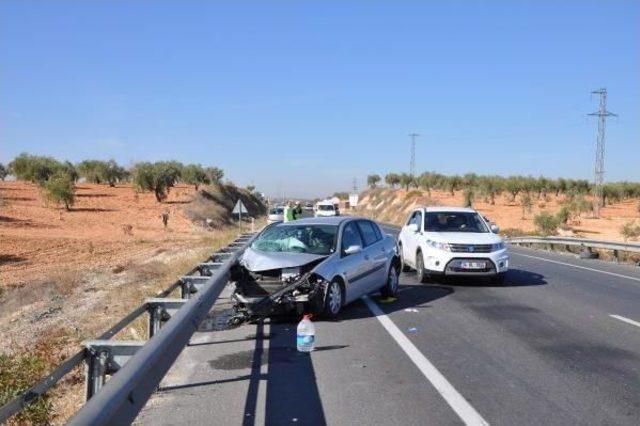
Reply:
x=627, y=320
x=456, y=401
x=579, y=267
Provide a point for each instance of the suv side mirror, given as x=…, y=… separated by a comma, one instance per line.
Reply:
x=413, y=227
x=353, y=250
x=494, y=228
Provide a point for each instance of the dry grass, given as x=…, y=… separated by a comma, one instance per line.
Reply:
x=119, y=293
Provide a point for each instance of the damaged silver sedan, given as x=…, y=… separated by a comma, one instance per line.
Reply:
x=314, y=265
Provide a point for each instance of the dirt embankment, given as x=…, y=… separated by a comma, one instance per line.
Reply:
x=67, y=276
x=394, y=206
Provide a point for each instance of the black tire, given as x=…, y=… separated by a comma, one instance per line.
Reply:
x=330, y=309
x=498, y=279
x=403, y=266
x=390, y=288
x=421, y=274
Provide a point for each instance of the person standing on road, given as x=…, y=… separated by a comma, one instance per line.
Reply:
x=288, y=212
x=297, y=211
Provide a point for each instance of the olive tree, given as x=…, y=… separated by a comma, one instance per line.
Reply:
x=158, y=177
x=195, y=174
x=214, y=174
x=33, y=168
x=59, y=189
x=392, y=179
x=372, y=180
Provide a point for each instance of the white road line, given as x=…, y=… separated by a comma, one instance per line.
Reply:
x=577, y=266
x=627, y=320
x=461, y=406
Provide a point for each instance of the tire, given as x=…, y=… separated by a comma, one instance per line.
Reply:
x=390, y=288
x=403, y=266
x=421, y=274
x=498, y=279
x=333, y=300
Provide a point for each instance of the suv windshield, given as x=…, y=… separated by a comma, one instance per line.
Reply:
x=325, y=207
x=313, y=239
x=454, y=222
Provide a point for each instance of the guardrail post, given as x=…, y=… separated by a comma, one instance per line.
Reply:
x=106, y=357
x=96, y=367
x=160, y=311
x=185, y=289
x=616, y=256
x=155, y=318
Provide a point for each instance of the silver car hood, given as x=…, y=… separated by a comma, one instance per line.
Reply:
x=257, y=261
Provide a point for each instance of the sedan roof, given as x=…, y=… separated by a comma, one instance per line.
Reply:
x=328, y=220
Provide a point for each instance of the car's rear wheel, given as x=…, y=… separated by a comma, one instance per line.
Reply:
x=390, y=288
x=421, y=274
x=403, y=265
x=333, y=300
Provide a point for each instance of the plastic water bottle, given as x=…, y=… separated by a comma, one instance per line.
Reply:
x=306, y=334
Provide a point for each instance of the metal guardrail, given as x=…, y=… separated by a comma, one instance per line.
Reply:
x=615, y=246
x=140, y=365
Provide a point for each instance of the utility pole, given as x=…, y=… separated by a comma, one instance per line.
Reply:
x=355, y=185
x=412, y=162
x=602, y=115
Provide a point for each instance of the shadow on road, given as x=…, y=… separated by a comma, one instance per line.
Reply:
x=514, y=278
x=292, y=393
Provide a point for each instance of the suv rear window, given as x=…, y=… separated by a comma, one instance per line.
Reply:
x=368, y=232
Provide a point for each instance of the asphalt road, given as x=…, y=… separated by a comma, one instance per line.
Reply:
x=559, y=343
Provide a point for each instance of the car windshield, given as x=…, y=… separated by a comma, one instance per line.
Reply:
x=312, y=239
x=325, y=207
x=454, y=222
x=277, y=210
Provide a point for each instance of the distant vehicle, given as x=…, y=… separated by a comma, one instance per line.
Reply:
x=276, y=214
x=325, y=209
x=452, y=241
x=308, y=206
x=314, y=265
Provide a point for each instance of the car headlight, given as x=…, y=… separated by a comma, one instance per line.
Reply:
x=438, y=245
x=497, y=246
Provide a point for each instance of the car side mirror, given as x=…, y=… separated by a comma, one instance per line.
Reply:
x=495, y=228
x=353, y=249
x=413, y=227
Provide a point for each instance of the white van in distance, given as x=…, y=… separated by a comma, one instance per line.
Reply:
x=325, y=209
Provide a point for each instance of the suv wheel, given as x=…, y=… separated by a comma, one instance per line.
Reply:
x=421, y=275
x=390, y=288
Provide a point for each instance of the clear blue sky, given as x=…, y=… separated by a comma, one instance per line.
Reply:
x=302, y=96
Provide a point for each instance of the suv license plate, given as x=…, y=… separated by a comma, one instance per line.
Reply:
x=473, y=265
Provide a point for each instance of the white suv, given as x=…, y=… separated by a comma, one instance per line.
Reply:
x=452, y=241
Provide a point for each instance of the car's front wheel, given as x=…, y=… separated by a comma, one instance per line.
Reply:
x=421, y=274
x=332, y=300
x=390, y=288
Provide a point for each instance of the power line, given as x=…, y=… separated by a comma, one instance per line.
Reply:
x=412, y=162
x=602, y=115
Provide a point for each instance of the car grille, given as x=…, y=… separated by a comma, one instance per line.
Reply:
x=471, y=248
